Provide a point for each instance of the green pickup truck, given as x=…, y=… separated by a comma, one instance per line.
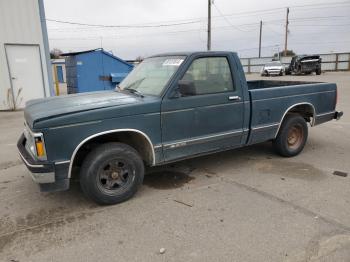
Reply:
x=170, y=107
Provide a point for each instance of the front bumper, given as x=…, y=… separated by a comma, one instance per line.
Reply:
x=273, y=71
x=50, y=176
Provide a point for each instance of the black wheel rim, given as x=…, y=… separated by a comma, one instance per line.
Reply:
x=115, y=176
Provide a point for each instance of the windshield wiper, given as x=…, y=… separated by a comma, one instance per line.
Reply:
x=134, y=91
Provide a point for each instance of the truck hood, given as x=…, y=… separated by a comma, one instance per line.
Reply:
x=46, y=108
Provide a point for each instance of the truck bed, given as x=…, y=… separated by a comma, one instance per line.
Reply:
x=270, y=100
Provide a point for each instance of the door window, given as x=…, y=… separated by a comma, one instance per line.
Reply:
x=210, y=75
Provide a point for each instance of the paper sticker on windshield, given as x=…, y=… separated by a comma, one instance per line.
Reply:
x=173, y=62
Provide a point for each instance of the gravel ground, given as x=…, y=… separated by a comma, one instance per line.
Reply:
x=242, y=205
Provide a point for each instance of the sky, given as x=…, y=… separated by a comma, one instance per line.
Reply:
x=132, y=28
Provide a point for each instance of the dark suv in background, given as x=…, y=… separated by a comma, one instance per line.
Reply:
x=304, y=64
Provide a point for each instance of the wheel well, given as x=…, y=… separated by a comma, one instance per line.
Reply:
x=307, y=111
x=138, y=141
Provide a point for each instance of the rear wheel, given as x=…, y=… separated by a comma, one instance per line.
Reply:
x=292, y=136
x=318, y=71
x=111, y=173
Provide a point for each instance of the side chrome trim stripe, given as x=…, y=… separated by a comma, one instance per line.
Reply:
x=206, y=106
x=109, y=132
x=62, y=162
x=265, y=126
x=177, y=110
x=181, y=143
x=289, y=108
x=324, y=114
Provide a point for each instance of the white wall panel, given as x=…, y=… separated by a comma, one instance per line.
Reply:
x=19, y=24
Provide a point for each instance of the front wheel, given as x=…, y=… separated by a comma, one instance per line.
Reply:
x=292, y=136
x=111, y=173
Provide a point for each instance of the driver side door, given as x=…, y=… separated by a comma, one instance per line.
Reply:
x=211, y=119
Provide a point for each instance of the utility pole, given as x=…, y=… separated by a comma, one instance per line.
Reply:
x=260, y=39
x=209, y=26
x=286, y=35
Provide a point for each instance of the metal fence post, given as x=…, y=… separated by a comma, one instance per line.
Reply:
x=248, y=65
x=336, y=62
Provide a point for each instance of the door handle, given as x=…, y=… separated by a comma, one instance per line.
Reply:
x=234, y=98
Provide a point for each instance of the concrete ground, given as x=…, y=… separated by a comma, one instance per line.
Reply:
x=242, y=205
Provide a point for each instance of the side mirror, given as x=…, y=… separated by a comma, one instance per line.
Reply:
x=186, y=87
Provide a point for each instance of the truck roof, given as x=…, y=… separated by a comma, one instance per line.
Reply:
x=193, y=53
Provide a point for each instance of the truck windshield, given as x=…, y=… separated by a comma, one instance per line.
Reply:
x=151, y=76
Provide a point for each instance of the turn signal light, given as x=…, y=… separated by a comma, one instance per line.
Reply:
x=39, y=148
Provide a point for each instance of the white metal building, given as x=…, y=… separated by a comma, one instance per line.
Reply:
x=25, y=70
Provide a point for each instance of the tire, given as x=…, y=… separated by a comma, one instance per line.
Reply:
x=299, y=72
x=292, y=136
x=318, y=71
x=111, y=173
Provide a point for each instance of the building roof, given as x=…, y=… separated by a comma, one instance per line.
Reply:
x=80, y=52
x=96, y=50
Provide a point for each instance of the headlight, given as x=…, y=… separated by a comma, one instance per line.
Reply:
x=35, y=143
